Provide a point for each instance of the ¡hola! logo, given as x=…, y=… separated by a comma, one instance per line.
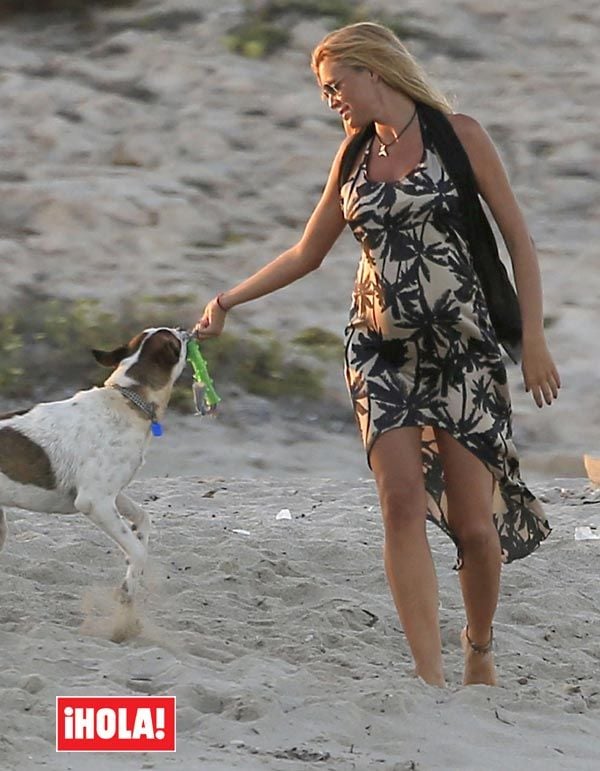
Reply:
x=115, y=724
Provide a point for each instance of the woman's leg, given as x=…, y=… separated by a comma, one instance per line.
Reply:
x=469, y=489
x=397, y=464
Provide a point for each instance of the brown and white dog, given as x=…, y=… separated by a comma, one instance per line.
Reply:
x=78, y=455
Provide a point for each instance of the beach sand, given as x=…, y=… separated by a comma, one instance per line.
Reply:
x=281, y=643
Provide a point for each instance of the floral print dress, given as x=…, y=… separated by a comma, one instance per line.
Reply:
x=420, y=349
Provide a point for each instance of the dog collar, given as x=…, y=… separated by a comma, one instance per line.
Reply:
x=148, y=409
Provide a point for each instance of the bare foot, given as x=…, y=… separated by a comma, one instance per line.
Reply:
x=479, y=666
x=431, y=678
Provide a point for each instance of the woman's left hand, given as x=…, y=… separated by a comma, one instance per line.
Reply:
x=539, y=371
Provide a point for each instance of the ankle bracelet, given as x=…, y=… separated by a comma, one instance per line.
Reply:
x=480, y=648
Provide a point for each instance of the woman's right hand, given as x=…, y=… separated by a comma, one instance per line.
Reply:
x=212, y=321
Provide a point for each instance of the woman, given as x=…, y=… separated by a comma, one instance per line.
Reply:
x=423, y=363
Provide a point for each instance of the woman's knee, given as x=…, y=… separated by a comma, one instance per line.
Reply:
x=479, y=535
x=403, y=503
x=398, y=467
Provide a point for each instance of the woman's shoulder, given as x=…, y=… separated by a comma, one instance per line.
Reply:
x=473, y=137
x=467, y=129
x=478, y=144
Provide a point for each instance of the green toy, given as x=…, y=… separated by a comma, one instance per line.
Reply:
x=206, y=398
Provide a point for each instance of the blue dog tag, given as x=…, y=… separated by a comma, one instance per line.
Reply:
x=156, y=428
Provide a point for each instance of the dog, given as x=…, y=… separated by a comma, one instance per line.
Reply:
x=78, y=455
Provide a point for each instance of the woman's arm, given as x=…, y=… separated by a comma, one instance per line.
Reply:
x=322, y=230
x=539, y=371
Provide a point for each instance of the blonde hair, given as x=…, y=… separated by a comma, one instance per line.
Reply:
x=377, y=48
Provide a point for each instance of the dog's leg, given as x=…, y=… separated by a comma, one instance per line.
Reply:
x=140, y=521
x=105, y=514
x=3, y=528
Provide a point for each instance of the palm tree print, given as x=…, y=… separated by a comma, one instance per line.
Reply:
x=420, y=347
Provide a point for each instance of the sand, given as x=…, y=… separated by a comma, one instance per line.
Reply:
x=143, y=159
x=281, y=643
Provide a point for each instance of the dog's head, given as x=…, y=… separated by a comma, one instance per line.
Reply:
x=154, y=359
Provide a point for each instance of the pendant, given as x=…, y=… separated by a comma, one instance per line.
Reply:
x=383, y=153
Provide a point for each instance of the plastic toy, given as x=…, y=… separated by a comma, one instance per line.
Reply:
x=206, y=398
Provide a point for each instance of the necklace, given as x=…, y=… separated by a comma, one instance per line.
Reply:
x=383, y=146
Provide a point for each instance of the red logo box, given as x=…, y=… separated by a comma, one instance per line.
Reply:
x=115, y=724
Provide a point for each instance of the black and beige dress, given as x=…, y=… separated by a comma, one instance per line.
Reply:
x=420, y=347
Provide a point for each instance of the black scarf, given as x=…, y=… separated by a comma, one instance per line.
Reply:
x=499, y=293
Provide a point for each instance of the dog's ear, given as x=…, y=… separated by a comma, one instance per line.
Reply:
x=111, y=358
